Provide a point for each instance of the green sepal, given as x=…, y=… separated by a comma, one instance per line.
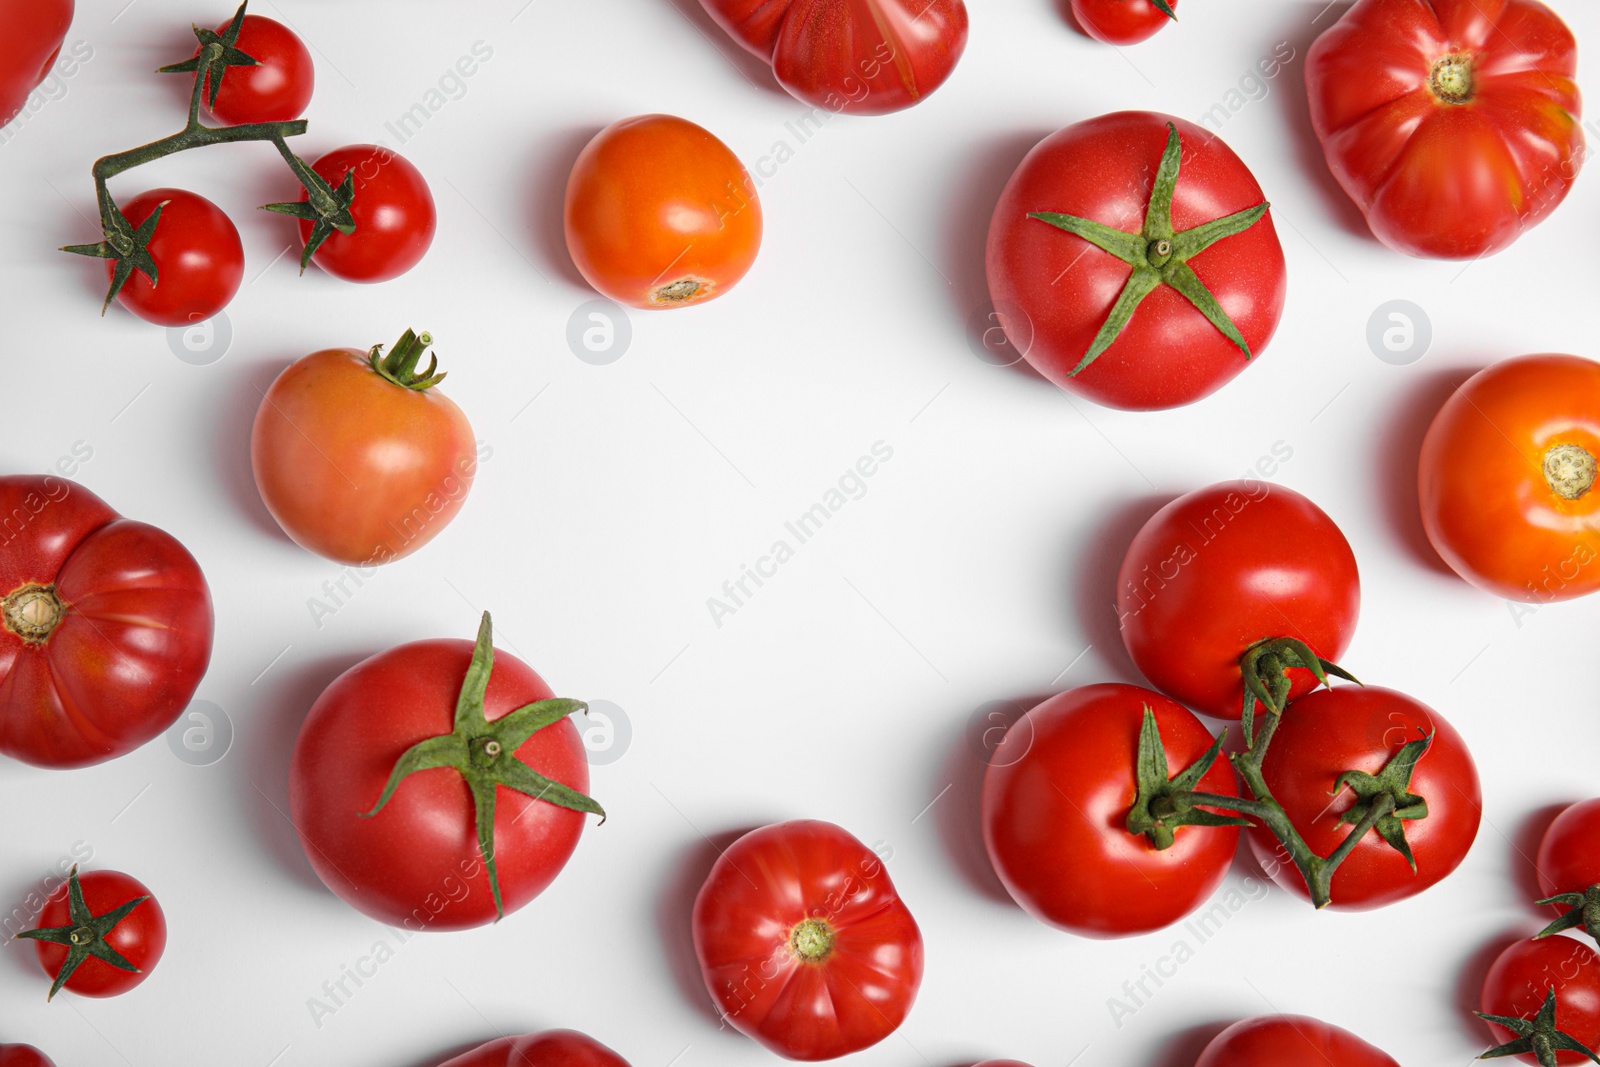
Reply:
x=1160, y=803
x=134, y=253
x=1537, y=1037
x=400, y=365
x=224, y=55
x=1583, y=910
x=1165, y=8
x=1394, y=781
x=327, y=208
x=72, y=937
x=1265, y=668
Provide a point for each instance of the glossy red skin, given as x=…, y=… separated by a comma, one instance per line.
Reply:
x=1190, y=607
x=1290, y=1041
x=1054, y=820
x=1102, y=170
x=23, y=1056
x=1522, y=976
x=140, y=938
x=1569, y=852
x=416, y=863
x=31, y=32
x=1438, y=179
x=393, y=210
x=277, y=88
x=550, y=1048
x=761, y=887
x=135, y=641
x=1356, y=728
x=860, y=57
x=199, y=260
x=1121, y=21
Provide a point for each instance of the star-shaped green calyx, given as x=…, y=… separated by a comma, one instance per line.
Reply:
x=326, y=207
x=85, y=936
x=1161, y=804
x=484, y=754
x=1265, y=668
x=1394, y=780
x=217, y=59
x=1583, y=909
x=1158, y=255
x=1537, y=1036
x=128, y=247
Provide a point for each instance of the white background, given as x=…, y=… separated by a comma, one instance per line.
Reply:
x=977, y=567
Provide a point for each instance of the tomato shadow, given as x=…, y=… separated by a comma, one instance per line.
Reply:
x=749, y=65
x=1186, y=1045
x=675, y=914
x=1524, y=848
x=549, y=162
x=1399, y=446
x=1063, y=9
x=1092, y=586
x=1471, y=972
x=230, y=460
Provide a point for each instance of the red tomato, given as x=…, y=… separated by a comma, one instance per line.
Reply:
x=804, y=943
x=660, y=214
x=199, y=260
x=863, y=57
x=1506, y=474
x=1222, y=568
x=106, y=626
x=356, y=465
x=1290, y=1041
x=1123, y=21
x=100, y=934
x=23, y=1056
x=1062, y=299
x=1569, y=851
x=1522, y=977
x=551, y=1048
x=403, y=848
x=1355, y=728
x=1054, y=819
x=277, y=88
x=393, y=212
x=31, y=32
x=1454, y=124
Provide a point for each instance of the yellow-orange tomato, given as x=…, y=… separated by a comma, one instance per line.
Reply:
x=358, y=457
x=661, y=214
x=1507, y=479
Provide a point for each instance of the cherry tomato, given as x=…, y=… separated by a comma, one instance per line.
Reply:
x=551, y=1048
x=1569, y=851
x=1156, y=314
x=355, y=463
x=106, y=626
x=1506, y=478
x=404, y=847
x=100, y=934
x=1522, y=977
x=23, y=1056
x=393, y=212
x=660, y=214
x=1355, y=728
x=804, y=943
x=31, y=32
x=1123, y=21
x=277, y=88
x=1054, y=817
x=861, y=57
x=199, y=260
x=1290, y=1041
x=1219, y=570
x=1454, y=124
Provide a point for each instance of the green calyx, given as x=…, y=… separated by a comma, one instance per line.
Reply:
x=484, y=754
x=1158, y=255
x=1163, y=804
x=85, y=936
x=1394, y=783
x=1583, y=909
x=217, y=53
x=1537, y=1036
x=325, y=207
x=128, y=247
x=1265, y=667
x=1165, y=8
x=400, y=365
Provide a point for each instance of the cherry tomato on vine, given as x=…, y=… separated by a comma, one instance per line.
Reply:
x=31, y=32
x=99, y=935
x=1290, y=1041
x=1569, y=852
x=660, y=214
x=803, y=942
x=1453, y=124
x=392, y=210
x=1537, y=988
x=1506, y=479
x=277, y=88
x=1123, y=21
x=550, y=1048
x=199, y=260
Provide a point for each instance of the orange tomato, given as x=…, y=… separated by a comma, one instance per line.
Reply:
x=1507, y=479
x=661, y=214
x=358, y=457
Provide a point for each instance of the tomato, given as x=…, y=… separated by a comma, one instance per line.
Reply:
x=1454, y=124
x=1355, y=728
x=23, y=1056
x=106, y=626
x=31, y=32
x=660, y=214
x=431, y=850
x=1569, y=851
x=551, y=1048
x=1522, y=979
x=392, y=211
x=358, y=457
x=199, y=260
x=277, y=88
x=1290, y=1041
x=1506, y=474
x=861, y=57
x=1223, y=568
x=1123, y=21
x=99, y=935
x=804, y=943
x=1144, y=312
x=1054, y=818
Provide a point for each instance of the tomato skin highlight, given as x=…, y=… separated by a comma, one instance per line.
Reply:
x=31, y=32
x=140, y=938
x=660, y=214
x=1569, y=852
x=1121, y=22
x=549, y=1048
x=276, y=89
x=1434, y=176
x=198, y=256
x=1290, y=1041
x=769, y=883
x=1053, y=819
x=1523, y=974
x=393, y=211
